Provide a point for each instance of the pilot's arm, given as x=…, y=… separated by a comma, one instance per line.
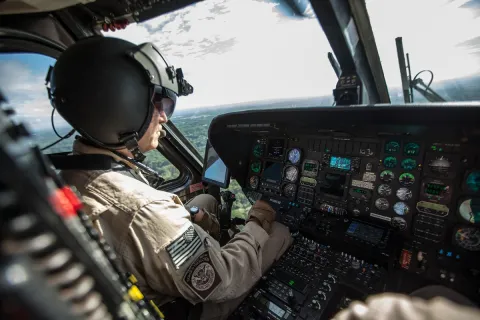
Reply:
x=190, y=263
x=401, y=307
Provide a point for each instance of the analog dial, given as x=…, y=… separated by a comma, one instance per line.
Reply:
x=289, y=190
x=253, y=182
x=256, y=166
x=392, y=147
x=384, y=190
x=390, y=162
x=291, y=173
x=404, y=194
x=387, y=176
x=399, y=223
x=468, y=238
x=409, y=164
x=294, y=155
x=382, y=204
x=411, y=149
x=406, y=179
x=401, y=208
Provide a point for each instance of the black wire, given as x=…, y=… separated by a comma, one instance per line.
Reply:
x=68, y=135
x=431, y=79
x=53, y=124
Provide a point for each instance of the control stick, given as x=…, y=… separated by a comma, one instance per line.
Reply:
x=226, y=212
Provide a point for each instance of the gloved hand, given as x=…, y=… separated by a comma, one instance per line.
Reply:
x=262, y=213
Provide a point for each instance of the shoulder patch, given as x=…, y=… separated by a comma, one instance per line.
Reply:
x=202, y=277
x=184, y=247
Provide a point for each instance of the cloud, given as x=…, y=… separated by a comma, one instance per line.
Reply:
x=26, y=93
x=237, y=50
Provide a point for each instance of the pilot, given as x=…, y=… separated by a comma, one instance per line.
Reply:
x=117, y=96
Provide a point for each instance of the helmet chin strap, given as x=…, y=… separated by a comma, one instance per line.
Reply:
x=130, y=141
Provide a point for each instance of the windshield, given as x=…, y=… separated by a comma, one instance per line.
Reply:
x=247, y=54
x=440, y=35
x=239, y=55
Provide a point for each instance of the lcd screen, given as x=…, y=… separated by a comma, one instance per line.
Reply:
x=365, y=232
x=276, y=147
x=333, y=184
x=215, y=171
x=272, y=172
x=340, y=163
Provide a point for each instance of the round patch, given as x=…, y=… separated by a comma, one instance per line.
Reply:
x=203, y=276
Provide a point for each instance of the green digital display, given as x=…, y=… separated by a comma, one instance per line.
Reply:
x=362, y=191
x=308, y=166
x=435, y=188
x=291, y=282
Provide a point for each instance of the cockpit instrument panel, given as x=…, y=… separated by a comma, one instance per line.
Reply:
x=414, y=182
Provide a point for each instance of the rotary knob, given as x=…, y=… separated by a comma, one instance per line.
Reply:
x=356, y=212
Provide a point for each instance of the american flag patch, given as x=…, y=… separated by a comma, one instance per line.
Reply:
x=184, y=247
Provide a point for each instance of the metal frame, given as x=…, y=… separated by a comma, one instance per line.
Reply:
x=347, y=27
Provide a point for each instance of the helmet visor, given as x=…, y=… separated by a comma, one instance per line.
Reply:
x=164, y=100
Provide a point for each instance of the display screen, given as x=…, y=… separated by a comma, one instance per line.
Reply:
x=215, y=171
x=272, y=172
x=333, y=184
x=365, y=232
x=276, y=147
x=276, y=310
x=358, y=190
x=435, y=188
x=310, y=167
x=340, y=163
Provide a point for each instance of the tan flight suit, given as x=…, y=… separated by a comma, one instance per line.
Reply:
x=155, y=240
x=389, y=306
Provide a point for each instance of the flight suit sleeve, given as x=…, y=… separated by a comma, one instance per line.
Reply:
x=194, y=263
x=399, y=307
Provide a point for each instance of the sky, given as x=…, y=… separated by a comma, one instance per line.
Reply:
x=235, y=51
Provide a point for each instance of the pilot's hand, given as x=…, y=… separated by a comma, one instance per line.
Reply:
x=263, y=214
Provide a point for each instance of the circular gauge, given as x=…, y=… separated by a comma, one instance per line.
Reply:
x=291, y=173
x=256, y=166
x=384, y=190
x=390, y=162
x=468, y=238
x=253, y=182
x=382, y=204
x=406, y=179
x=387, y=176
x=258, y=150
x=401, y=208
x=440, y=165
x=399, y=223
x=409, y=164
x=469, y=210
x=473, y=181
x=411, y=149
x=404, y=194
x=294, y=155
x=392, y=147
x=289, y=190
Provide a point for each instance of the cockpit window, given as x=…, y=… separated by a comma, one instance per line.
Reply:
x=240, y=55
x=439, y=35
x=22, y=80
